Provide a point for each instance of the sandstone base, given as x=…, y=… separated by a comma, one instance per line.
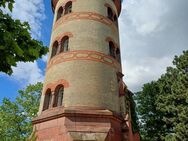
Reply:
x=78, y=124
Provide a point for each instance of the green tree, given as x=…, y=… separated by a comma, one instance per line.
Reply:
x=8, y=2
x=172, y=100
x=163, y=105
x=15, y=117
x=16, y=43
x=150, y=118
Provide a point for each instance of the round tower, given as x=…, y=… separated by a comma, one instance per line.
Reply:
x=81, y=96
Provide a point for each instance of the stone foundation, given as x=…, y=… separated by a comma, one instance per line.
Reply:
x=78, y=124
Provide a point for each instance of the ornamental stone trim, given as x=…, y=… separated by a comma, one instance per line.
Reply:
x=85, y=15
x=83, y=55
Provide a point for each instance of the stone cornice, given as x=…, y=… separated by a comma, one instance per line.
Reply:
x=59, y=112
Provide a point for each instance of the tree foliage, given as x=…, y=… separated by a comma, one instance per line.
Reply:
x=150, y=118
x=8, y=2
x=15, y=117
x=16, y=43
x=163, y=105
x=172, y=100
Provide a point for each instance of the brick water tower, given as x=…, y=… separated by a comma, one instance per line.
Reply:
x=83, y=89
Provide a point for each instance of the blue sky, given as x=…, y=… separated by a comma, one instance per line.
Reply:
x=151, y=34
x=8, y=84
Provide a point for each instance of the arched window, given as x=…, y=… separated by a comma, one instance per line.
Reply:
x=112, y=49
x=68, y=7
x=54, y=49
x=110, y=13
x=58, y=96
x=115, y=20
x=47, y=99
x=59, y=13
x=64, y=44
x=118, y=57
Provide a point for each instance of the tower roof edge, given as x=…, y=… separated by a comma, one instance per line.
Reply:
x=117, y=3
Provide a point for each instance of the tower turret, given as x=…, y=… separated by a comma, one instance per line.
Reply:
x=81, y=98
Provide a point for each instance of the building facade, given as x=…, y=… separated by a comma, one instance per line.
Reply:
x=83, y=92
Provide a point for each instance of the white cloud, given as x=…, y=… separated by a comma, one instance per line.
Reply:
x=151, y=34
x=139, y=72
x=45, y=58
x=144, y=14
x=27, y=73
x=31, y=11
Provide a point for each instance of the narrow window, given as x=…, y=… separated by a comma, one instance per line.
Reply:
x=68, y=7
x=47, y=100
x=64, y=44
x=118, y=57
x=59, y=96
x=110, y=13
x=112, y=49
x=115, y=20
x=54, y=49
x=59, y=13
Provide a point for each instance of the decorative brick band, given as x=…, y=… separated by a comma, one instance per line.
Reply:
x=83, y=55
x=85, y=15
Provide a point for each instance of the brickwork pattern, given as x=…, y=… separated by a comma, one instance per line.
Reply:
x=84, y=55
x=85, y=16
